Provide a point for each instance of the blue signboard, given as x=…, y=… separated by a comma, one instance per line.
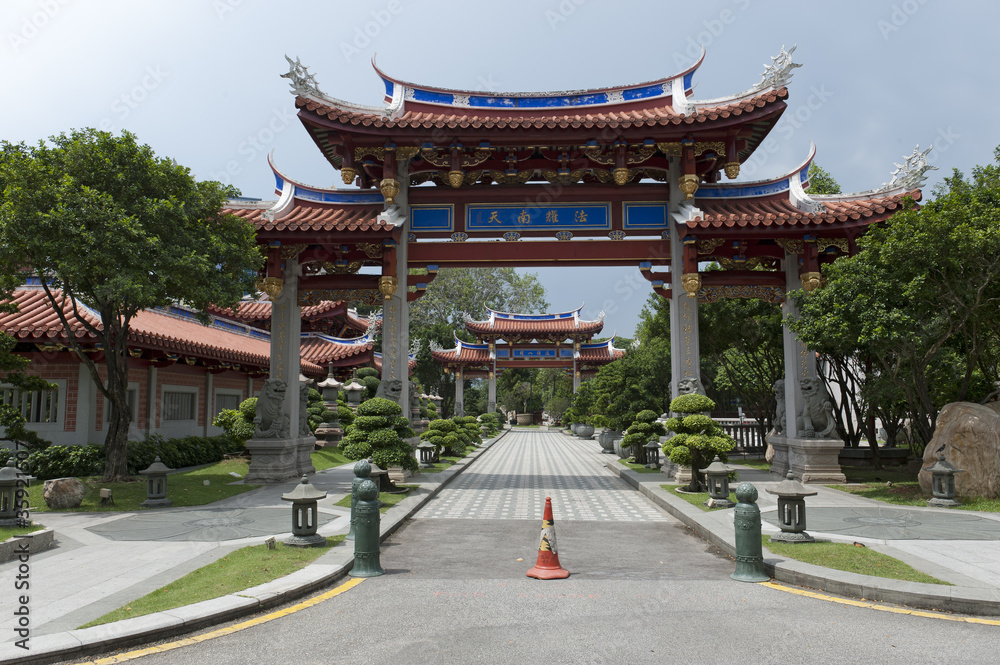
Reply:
x=560, y=216
x=432, y=217
x=645, y=216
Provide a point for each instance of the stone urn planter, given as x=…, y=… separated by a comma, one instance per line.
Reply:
x=607, y=440
x=574, y=427
x=524, y=419
x=623, y=453
x=585, y=431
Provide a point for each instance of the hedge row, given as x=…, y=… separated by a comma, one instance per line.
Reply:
x=75, y=461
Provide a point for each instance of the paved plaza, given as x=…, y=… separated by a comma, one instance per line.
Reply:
x=527, y=466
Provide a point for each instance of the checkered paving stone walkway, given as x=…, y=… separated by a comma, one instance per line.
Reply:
x=511, y=480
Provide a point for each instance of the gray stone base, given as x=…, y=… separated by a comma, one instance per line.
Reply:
x=303, y=462
x=809, y=460
x=37, y=541
x=789, y=537
x=719, y=503
x=943, y=503
x=314, y=540
x=271, y=460
x=680, y=474
x=156, y=503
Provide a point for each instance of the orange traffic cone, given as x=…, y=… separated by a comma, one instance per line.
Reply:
x=547, y=567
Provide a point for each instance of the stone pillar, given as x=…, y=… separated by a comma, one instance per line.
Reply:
x=460, y=391
x=209, y=403
x=576, y=376
x=396, y=310
x=799, y=362
x=278, y=458
x=491, y=399
x=685, y=355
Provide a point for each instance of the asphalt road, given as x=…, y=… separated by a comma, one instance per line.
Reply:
x=640, y=592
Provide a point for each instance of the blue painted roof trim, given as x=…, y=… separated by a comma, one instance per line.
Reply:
x=755, y=189
x=357, y=341
x=535, y=317
x=330, y=196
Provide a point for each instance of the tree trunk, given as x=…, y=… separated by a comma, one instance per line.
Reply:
x=116, y=443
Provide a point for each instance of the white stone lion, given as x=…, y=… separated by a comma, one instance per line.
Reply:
x=815, y=420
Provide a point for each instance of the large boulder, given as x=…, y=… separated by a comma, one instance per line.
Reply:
x=969, y=436
x=62, y=493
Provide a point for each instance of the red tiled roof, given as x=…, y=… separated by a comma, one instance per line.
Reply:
x=543, y=328
x=260, y=310
x=37, y=321
x=599, y=355
x=464, y=355
x=501, y=119
x=321, y=351
x=307, y=216
x=779, y=211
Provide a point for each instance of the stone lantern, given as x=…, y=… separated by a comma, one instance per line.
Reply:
x=8, y=494
x=943, y=484
x=156, y=485
x=330, y=432
x=426, y=449
x=305, y=515
x=652, y=448
x=717, y=477
x=792, y=510
x=354, y=391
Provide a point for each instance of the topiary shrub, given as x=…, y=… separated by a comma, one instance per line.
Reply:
x=65, y=462
x=443, y=434
x=368, y=377
x=470, y=426
x=698, y=438
x=378, y=432
x=432, y=411
x=642, y=431
x=318, y=413
x=490, y=423
x=238, y=422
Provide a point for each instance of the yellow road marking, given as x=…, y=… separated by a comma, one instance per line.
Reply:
x=879, y=607
x=170, y=646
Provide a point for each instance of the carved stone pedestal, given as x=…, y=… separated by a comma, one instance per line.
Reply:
x=809, y=460
x=272, y=460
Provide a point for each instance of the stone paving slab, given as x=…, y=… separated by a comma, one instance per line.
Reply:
x=896, y=523
x=208, y=525
x=525, y=467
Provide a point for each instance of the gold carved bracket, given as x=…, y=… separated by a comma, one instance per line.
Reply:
x=790, y=245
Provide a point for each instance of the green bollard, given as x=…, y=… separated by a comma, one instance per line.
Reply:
x=367, y=538
x=749, y=552
x=362, y=470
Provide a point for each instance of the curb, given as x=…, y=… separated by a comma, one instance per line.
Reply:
x=38, y=541
x=962, y=600
x=324, y=572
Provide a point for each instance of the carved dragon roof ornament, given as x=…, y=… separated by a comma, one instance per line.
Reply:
x=302, y=82
x=779, y=72
x=912, y=173
x=414, y=347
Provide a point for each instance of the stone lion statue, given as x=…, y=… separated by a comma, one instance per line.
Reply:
x=780, y=419
x=271, y=421
x=815, y=420
x=304, y=429
x=390, y=389
x=690, y=385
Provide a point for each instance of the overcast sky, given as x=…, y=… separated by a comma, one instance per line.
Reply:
x=199, y=81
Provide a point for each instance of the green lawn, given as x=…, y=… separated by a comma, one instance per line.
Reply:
x=639, y=468
x=850, y=558
x=8, y=532
x=327, y=457
x=239, y=570
x=183, y=489
x=758, y=464
x=698, y=499
x=388, y=500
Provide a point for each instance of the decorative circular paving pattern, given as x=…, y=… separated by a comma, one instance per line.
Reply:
x=202, y=525
x=897, y=523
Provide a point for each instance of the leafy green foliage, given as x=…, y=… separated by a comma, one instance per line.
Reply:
x=697, y=439
x=378, y=432
x=238, y=422
x=490, y=423
x=443, y=434
x=642, y=431
x=114, y=227
x=920, y=300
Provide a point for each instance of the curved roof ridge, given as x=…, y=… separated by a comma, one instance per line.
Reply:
x=908, y=176
x=759, y=188
x=775, y=76
x=552, y=93
x=514, y=315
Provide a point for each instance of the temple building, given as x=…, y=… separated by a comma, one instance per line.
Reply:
x=525, y=341
x=181, y=372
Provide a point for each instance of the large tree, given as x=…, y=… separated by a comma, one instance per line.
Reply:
x=921, y=299
x=105, y=223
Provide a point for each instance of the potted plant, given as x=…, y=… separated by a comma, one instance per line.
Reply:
x=604, y=438
x=697, y=439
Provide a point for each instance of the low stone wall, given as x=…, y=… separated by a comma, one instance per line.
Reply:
x=38, y=541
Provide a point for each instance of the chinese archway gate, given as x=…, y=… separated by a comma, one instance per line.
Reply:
x=626, y=176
